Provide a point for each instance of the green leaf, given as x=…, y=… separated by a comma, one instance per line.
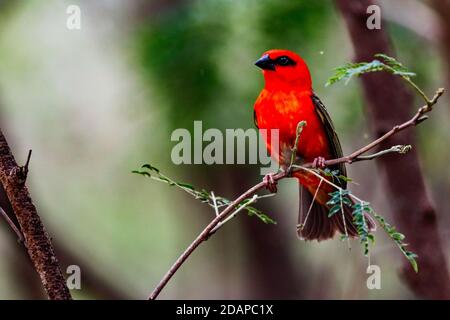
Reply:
x=335, y=209
x=186, y=185
x=202, y=195
x=398, y=236
x=398, y=239
x=344, y=178
x=251, y=211
x=347, y=201
x=142, y=173
x=349, y=70
x=150, y=167
x=414, y=265
x=397, y=67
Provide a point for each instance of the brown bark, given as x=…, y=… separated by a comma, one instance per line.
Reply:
x=155, y=9
x=37, y=241
x=442, y=8
x=390, y=103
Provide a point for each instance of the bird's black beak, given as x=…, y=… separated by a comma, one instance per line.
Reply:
x=265, y=63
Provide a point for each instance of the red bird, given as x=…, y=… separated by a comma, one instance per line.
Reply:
x=287, y=99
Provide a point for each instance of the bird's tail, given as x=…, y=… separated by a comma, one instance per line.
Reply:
x=314, y=223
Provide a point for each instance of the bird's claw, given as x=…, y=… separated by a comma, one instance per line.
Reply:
x=319, y=162
x=270, y=183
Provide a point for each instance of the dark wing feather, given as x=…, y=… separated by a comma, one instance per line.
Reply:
x=336, y=150
x=254, y=119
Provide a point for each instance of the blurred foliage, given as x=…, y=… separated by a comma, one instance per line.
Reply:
x=297, y=23
x=216, y=202
x=177, y=53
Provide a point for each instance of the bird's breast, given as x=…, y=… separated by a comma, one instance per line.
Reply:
x=283, y=110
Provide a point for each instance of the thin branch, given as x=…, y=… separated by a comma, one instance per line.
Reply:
x=28, y=161
x=417, y=118
x=231, y=216
x=298, y=131
x=325, y=180
x=204, y=236
x=343, y=219
x=302, y=225
x=208, y=230
x=11, y=224
x=216, y=208
x=401, y=149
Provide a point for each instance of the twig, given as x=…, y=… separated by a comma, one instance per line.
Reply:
x=28, y=161
x=418, y=117
x=231, y=216
x=22, y=171
x=216, y=208
x=203, y=236
x=298, y=131
x=355, y=156
x=296, y=168
x=302, y=225
x=12, y=225
x=343, y=218
x=401, y=149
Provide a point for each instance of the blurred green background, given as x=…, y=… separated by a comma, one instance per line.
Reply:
x=96, y=103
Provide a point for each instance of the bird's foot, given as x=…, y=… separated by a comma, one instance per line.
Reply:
x=319, y=162
x=270, y=182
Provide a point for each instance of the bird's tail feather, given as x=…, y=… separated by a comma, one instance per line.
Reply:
x=314, y=223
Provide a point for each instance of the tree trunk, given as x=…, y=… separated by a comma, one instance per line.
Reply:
x=442, y=8
x=389, y=103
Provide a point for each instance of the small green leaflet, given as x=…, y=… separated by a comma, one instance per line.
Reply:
x=341, y=198
x=398, y=238
x=147, y=170
x=383, y=63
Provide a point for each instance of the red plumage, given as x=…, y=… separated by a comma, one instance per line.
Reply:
x=287, y=99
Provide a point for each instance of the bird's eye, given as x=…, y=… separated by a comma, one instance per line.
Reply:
x=285, y=61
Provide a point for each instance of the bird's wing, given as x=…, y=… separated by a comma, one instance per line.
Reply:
x=254, y=119
x=336, y=150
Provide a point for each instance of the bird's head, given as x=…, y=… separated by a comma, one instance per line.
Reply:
x=284, y=69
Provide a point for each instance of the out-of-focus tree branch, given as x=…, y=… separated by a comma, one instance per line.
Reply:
x=413, y=15
x=389, y=103
x=442, y=9
x=429, y=20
